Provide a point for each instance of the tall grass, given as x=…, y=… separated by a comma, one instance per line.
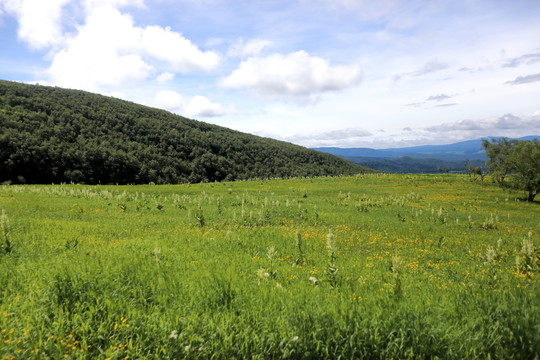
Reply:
x=374, y=266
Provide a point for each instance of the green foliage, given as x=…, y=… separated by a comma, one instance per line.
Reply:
x=526, y=157
x=500, y=162
x=6, y=245
x=518, y=159
x=54, y=135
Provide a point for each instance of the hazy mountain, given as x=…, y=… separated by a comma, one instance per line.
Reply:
x=417, y=159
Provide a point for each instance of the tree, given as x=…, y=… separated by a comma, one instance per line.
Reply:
x=525, y=157
x=500, y=161
x=475, y=171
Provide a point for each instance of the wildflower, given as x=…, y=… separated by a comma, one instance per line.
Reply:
x=173, y=335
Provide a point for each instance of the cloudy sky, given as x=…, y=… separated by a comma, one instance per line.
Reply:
x=347, y=73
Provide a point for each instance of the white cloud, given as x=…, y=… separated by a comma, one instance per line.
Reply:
x=438, y=98
x=527, y=59
x=526, y=125
x=165, y=77
x=113, y=3
x=105, y=52
x=430, y=67
x=340, y=138
x=197, y=106
x=296, y=74
x=180, y=53
x=252, y=47
x=524, y=79
x=202, y=106
x=169, y=100
x=109, y=50
x=39, y=20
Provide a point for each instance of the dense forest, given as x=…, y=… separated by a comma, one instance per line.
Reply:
x=53, y=135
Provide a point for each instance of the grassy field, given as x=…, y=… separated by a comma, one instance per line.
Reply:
x=373, y=266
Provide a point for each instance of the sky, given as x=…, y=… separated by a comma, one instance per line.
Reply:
x=343, y=73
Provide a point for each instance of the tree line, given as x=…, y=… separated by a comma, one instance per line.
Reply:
x=53, y=135
x=515, y=163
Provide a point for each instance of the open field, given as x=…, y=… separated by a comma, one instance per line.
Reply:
x=373, y=266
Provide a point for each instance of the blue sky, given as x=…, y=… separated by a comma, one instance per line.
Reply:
x=347, y=73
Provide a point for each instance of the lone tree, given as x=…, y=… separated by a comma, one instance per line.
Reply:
x=500, y=162
x=527, y=167
x=518, y=160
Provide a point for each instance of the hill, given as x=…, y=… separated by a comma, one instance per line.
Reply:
x=52, y=135
x=417, y=159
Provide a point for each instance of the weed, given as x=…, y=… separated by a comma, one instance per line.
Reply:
x=6, y=246
x=331, y=271
x=527, y=261
x=71, y=243
x=300, y=252
x=397, y=269
x=489, y=223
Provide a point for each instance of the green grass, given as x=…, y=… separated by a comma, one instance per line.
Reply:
x=421, y=267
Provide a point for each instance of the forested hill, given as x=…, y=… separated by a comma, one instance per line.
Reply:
x=50, y=134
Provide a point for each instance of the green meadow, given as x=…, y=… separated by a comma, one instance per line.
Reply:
x=368, y=267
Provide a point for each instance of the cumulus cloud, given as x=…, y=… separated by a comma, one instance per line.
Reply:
x=104, y=49
x=293, y=75
x=39, y=21
x=180, y=53
x=252, y=47
x=105, y=52
x=165, y=77
x=524, y=79
x=197, y=106
x=203, y=107
x=169, y=100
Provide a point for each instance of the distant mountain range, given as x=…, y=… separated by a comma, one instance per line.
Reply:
x=417, y=159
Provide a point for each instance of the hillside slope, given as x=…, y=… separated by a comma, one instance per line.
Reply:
x=50, y=134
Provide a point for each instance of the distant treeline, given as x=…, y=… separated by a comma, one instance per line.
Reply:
x=53, y=135
x=410, y=165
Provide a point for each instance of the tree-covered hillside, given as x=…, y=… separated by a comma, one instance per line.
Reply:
x=52, y=135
